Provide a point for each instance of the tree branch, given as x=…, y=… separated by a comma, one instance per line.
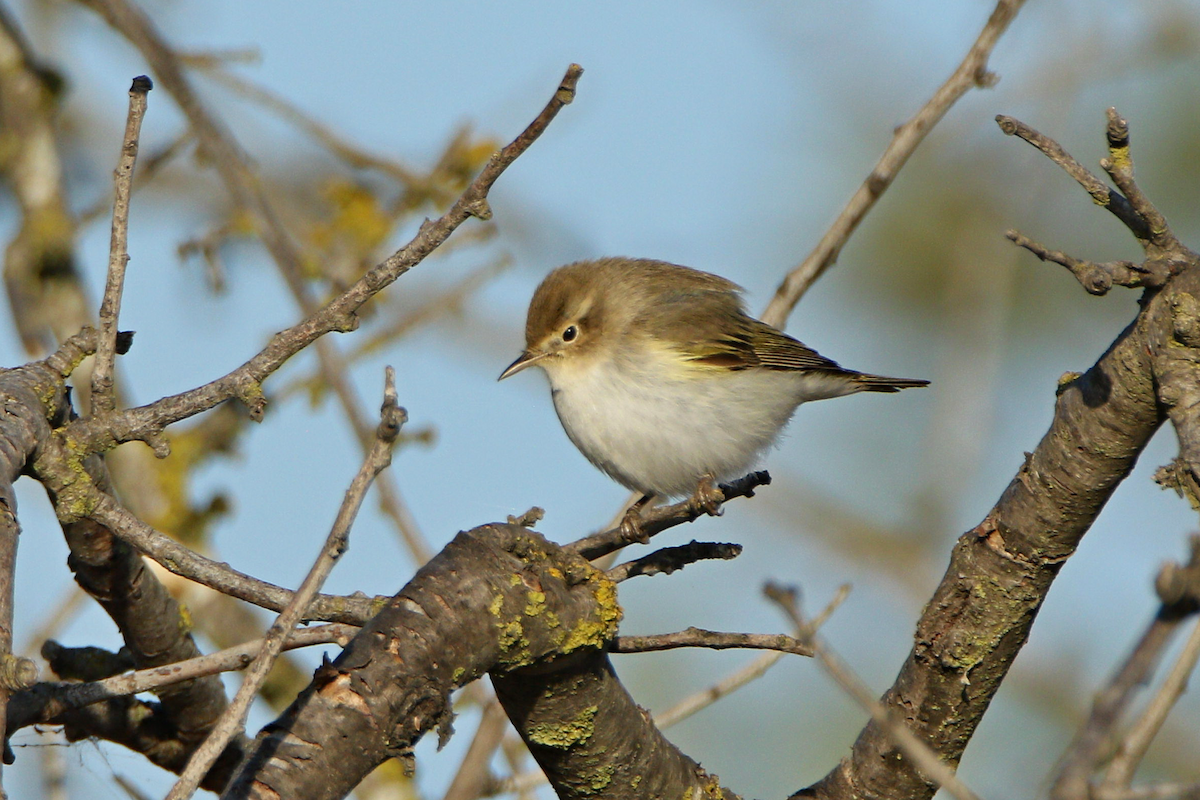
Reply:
x=1000, y=572
x=233, y=719
x=656, y=520
x=971, y=73
x=103, y=394
x=1179, y=590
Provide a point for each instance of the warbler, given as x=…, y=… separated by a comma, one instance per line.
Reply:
x=661, y=378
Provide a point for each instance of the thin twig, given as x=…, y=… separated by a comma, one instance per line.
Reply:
x=1119, y=166
x=712, y=640
x=1104, y=196
x=1137, y=740
x=656, y=520
x=471, y=779
x=44, y=702
x=1178, y=587
x=670, y=559
x=1096, y=277
x=913, y=748
x=233, y=719
x=752, y=671
x=972, y=72
x=103, y=396
x=245, y=382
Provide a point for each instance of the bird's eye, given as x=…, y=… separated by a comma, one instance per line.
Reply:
x=570, y=333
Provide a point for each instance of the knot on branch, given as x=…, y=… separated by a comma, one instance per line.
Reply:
x=1178, y=585
x=17, y=673
x=252, y=397
x=1185, y=319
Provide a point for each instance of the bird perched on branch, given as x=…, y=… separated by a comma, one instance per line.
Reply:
x=662, y=379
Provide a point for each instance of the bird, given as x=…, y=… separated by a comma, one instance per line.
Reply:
x=662, y=379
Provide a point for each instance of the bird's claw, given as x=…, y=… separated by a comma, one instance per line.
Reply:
x=631, y=526
x=709, y=496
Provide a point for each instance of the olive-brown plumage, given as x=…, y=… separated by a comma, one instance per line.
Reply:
x=661, y=378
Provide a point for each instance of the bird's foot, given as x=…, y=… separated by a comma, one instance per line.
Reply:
x=631, y=524
x=709, y=496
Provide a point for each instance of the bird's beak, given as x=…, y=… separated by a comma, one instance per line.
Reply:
x=527, y=359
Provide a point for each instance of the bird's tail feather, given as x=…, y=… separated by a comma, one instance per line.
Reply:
x=879, y=383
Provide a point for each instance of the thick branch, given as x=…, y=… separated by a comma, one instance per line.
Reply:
x=496, y=598
x=1000, y=572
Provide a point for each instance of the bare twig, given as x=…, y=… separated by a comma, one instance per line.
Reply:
x=338, y=314
x=98, y=433
x=712, y=640
x=471, y=779
x=44, y=702
x=669, y=559
x=1165, y=253
x=1105, y=197
x=656, y=520
x=233, y=719
x=971, y=73
x=1119, y=167
x=917, y=751
x=1178, y=587
x=249, y=195
x=734, y=681
x=1137, y=740
x=1097, y=278
x=103, y=396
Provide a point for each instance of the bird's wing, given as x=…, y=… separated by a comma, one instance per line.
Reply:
x=776, y=350
x=721, y=335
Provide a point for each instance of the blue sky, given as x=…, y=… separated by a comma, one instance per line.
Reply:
x=720, y=136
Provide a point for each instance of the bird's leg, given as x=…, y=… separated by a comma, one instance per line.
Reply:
x=709, y=496
x=631, y=525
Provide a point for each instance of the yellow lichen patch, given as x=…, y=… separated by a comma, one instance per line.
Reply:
x=602, y=627
x=535, y=603
x=1120, y=159
x=568, y=733
x=513, y=644
x=185, y=618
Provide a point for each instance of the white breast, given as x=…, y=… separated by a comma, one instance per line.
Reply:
x=657, y=430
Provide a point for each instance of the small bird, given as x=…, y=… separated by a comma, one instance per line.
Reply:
x=662, y=379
